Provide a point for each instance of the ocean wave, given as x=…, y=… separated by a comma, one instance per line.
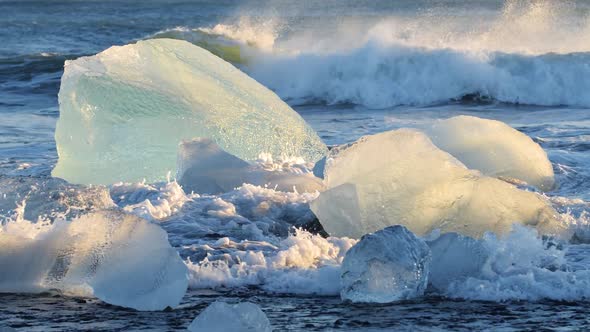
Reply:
x=528, y=52
x=38, y=73
x=379, y=77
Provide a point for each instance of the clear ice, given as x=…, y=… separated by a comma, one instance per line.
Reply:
x=455, y=258
x=386, y=266
x=124, y=111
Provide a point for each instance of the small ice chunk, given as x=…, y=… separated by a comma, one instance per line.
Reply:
x=455, y=258
x=124, y=111
x=221, y=317
x=495, y=149
x=119, y=258
x=400, y=177
x=203, y=167
x=386, y=266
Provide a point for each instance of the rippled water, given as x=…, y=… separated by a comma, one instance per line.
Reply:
x=48, y=312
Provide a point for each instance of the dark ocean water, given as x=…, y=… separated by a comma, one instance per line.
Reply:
x=350, y=68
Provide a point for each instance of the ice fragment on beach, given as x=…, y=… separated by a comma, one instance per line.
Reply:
x=455, y=258
x=240, y=317
x=386, y=266
x=121, y=259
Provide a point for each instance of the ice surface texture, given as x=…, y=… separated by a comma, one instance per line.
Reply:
x=222, y=317
x=400, y=177
x=386, y=266
x=124, y=111
x=495, y=149
x=121, y=259
x=455, y=258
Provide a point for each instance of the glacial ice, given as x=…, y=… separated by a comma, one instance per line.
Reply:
x=203, y=167
x=400, y=177
x=119, y=258
x=221, y=317
x=124, y=111
x=386, y=266
x=495, y=149
x=455, y=258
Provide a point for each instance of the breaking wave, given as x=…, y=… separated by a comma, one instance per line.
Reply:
x=529, y=52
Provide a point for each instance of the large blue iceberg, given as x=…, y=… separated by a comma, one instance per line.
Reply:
x=124, y=111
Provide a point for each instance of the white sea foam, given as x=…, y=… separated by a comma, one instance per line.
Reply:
x=242, y=239
x=524, y=267
x=529, y=52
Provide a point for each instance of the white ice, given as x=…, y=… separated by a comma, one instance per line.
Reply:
x=495, y=149
x=386, y=266
x=203, y=167
x=400, y=177
x=119, y=258
x=124, y=111
x=221, y=317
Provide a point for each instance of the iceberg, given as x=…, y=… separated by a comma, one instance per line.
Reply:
x=119, y=258
x=401, y=177
x=495, y=149
x=124, y=111
x=203, y=167
x=241, y=317
x=386, y=266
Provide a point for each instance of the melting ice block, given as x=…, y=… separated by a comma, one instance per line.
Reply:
x=386, y=266
x=124, y=111
x=203, y=167
x=121, y=259
x=495, y=149
x=400, y=177
x=221, y=317
x=454, y=258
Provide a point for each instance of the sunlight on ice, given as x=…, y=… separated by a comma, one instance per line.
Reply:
x=417, y=185
x=495, y=149
x=386, y=266
x=124, y=111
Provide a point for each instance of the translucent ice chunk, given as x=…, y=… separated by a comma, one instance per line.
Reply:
x=400, y=177
x=124, y=111
x=121, y=259
x=455, y=258
x=386, y=266
x=495, y=149
x=221, y=317
x=203, y=167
